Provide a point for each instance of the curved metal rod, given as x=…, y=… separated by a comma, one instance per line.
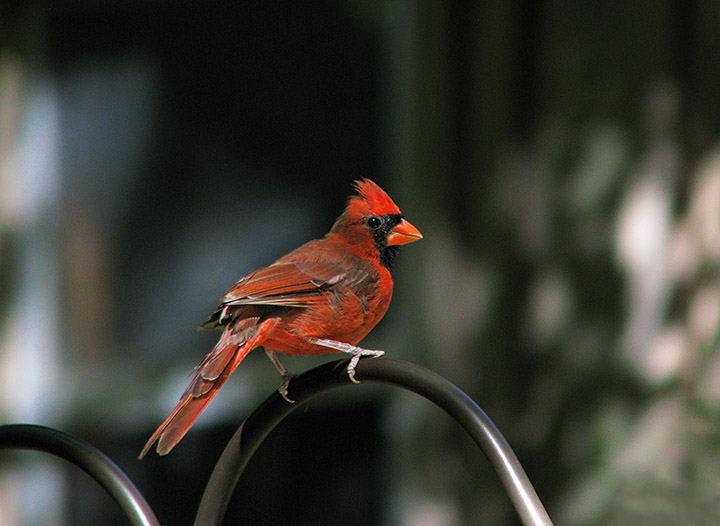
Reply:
x=426, y=383
x=89, y=459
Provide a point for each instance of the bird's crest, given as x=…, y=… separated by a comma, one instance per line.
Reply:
x=371, y=200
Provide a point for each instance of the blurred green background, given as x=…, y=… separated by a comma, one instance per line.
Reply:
x=561, y=159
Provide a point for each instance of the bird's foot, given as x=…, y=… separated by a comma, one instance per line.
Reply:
x=354, y=351
x=284, y=374
x=356, y=358
x=283, y=389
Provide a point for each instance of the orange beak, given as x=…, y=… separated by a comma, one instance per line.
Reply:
x=403, y=233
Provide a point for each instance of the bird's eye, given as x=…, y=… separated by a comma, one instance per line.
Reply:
x=374, y=222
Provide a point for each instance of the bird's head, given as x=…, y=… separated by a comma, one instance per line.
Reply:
x=372, y=224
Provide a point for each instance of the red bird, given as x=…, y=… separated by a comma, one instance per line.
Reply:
x=321, y=298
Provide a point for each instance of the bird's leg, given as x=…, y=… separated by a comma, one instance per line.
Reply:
x=354, y=351
x=284, y=374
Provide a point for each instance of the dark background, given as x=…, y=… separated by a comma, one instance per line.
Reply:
x=561, y=159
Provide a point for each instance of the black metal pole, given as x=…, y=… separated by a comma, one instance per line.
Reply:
x=86, y=457
x=426, y=383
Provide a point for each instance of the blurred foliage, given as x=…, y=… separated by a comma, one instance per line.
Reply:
x=570, y=280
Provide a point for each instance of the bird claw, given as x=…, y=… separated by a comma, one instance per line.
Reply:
x=283, y=389
x=351, y=374
x=356, y=355
x=284, y=374
x=354, y=351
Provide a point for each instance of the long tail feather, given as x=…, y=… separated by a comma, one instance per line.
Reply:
x=234, y=345
x=178, y=423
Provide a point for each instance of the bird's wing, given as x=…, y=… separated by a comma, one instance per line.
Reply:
x=295, y=283
x=280, y=284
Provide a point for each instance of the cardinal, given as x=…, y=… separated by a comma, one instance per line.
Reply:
x=321, y=298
